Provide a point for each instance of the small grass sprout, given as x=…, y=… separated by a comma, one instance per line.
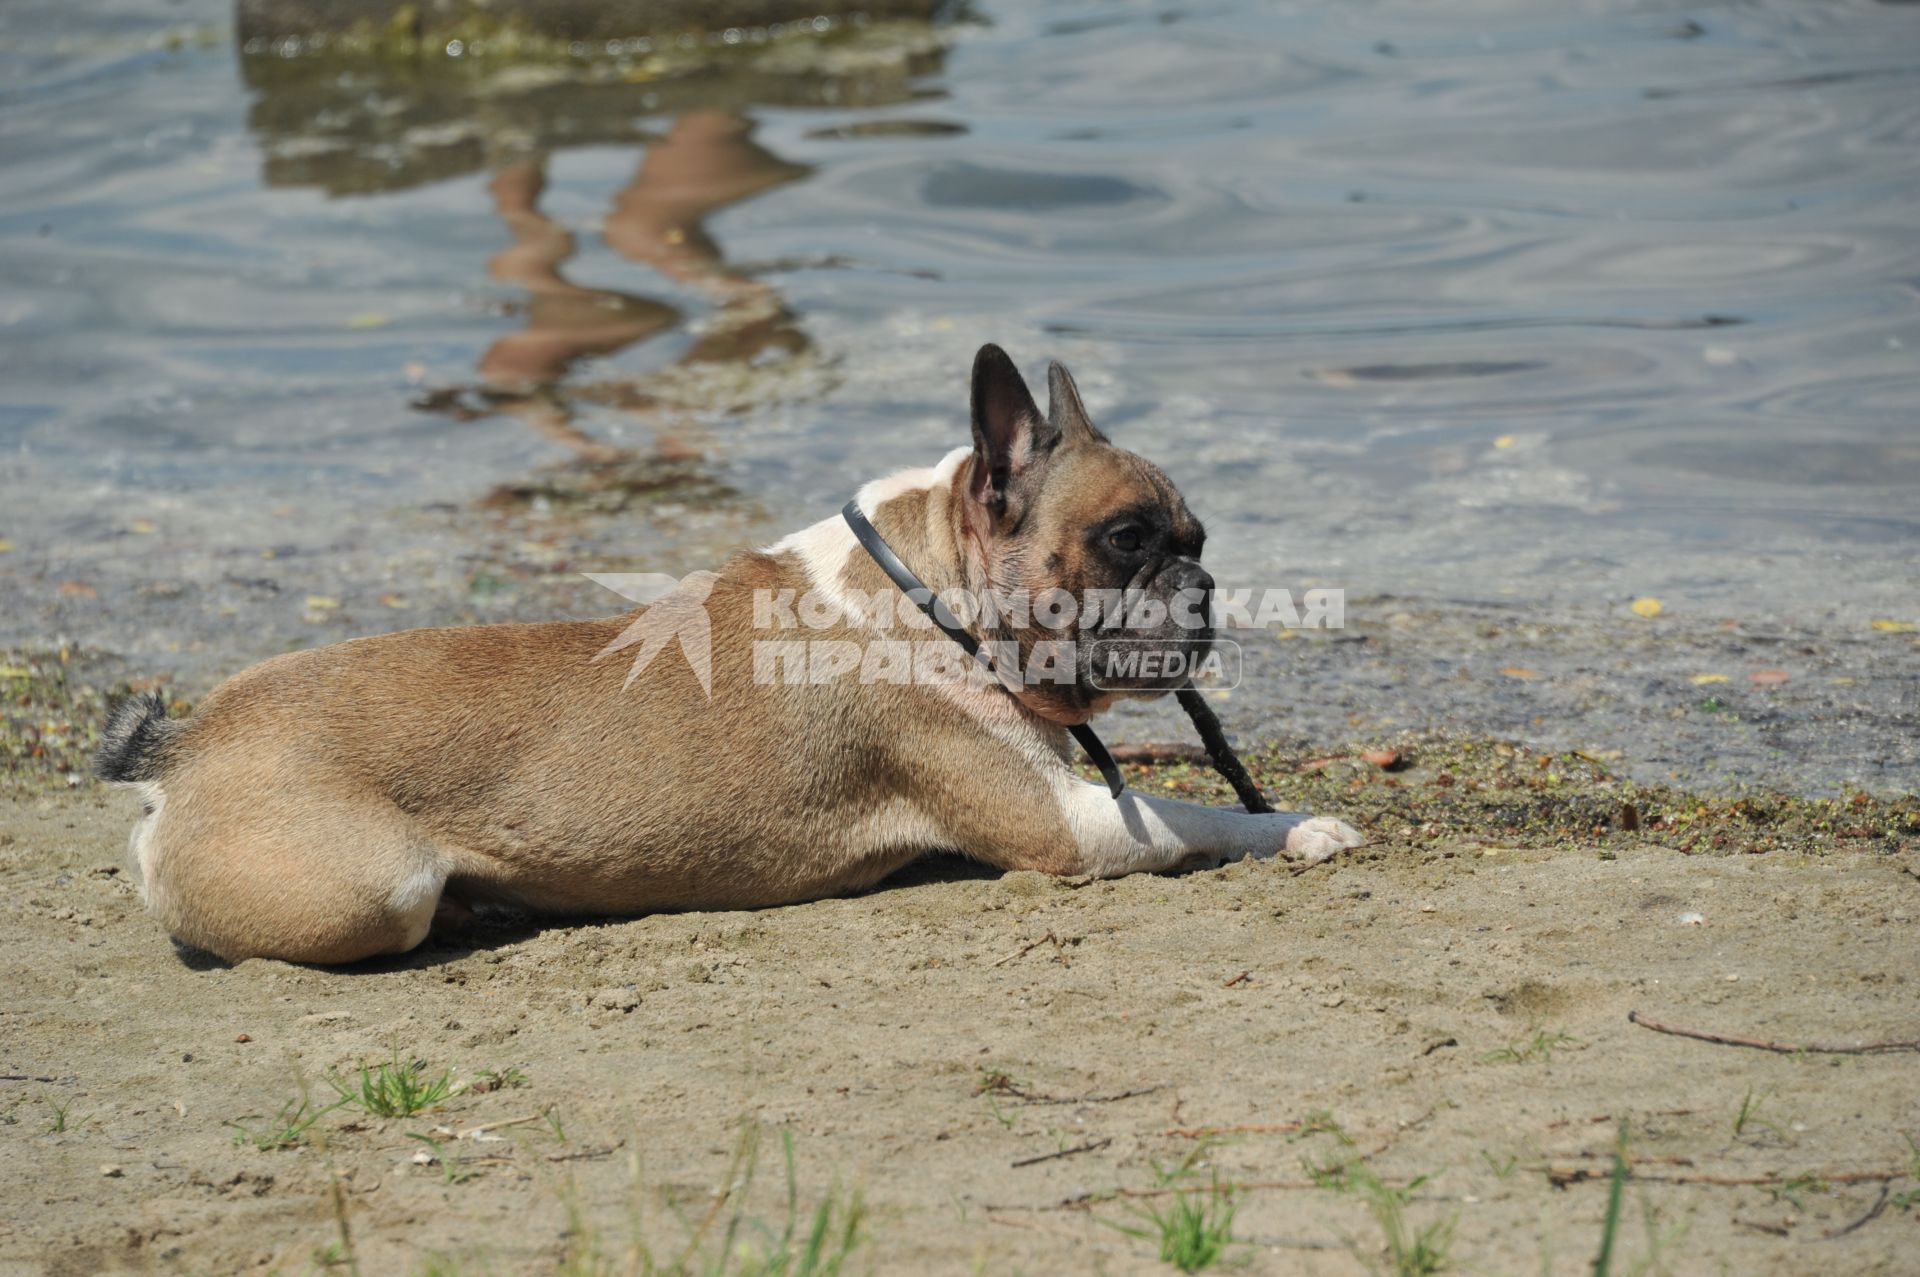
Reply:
x=285, y=1129
x=725, y=1240
x=394, y=1089
x=508, y=1079
x=1540, y=1046
x=1749, y=1114
x=1616, y=1192
x=1193, y=1227
x=1410, y=1251
x=62, y=1118
x=1794, y=1189
x=1502, y=1167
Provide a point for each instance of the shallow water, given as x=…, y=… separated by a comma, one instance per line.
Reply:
x=1490, y=300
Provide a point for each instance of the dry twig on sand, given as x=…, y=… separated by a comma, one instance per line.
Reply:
x=1059, y=950
x=1244, y=1128
x=1091, y=1146
x=1563, y=1176
x=1608, y=1117
x=1782, y=1048
x=586, y=1154
x=1873, y=1213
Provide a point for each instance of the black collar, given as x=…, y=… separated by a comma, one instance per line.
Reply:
x=923, y=598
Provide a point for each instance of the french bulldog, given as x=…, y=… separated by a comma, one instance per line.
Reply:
x=323, y=806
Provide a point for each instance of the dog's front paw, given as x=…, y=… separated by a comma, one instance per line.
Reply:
x=1321, y=838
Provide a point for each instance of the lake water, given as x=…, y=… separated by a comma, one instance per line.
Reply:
x=1565, y=304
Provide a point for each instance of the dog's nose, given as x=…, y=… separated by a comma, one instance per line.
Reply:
x=1189, y=575
x=1191, y=587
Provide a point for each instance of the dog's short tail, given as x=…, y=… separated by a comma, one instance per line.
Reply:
x=134, y=745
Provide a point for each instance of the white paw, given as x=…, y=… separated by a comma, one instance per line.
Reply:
x=1321, y=838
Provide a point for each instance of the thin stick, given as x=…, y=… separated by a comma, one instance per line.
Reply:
x=1225, y=761
x=1761, y=1226
x=1087, y=1201
x=496, y=1126
x=1661, y=1159
x=1873, y=1213
x=1091, y=1146
x=1239, y=1186
x=1029, y=948
x=1242, y=978
x=585, y=1153
x=1089, y=1099
x=1244, y=1128
x=1561, y=1176
x=1782, y=1048
x=1007, y=1088
x=1608, y=1117
x=1033, y=1225
x=1059, y=950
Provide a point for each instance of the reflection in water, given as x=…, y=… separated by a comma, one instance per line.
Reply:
x=706, y=161
x=366, y=124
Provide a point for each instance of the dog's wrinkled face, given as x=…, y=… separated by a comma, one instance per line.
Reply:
x=1095, y=536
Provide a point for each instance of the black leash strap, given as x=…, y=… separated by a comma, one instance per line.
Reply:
x=923, y=598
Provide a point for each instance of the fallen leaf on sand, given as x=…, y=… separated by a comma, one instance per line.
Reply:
x=1504, y=441
x=1768, y=678
x=370, y=319
x=1519, y=671
x=1384, y=759
x=321, y=603
x=77, y=590
x=1647, y=607
x=5, y=545
x=1701, y=680
x=1885, y=627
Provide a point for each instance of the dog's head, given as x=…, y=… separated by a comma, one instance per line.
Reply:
x=1095, y=537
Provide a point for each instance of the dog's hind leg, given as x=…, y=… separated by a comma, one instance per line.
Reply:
x=320, y=880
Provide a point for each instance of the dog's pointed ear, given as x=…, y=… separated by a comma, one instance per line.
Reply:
x=1009, y=434
x=1064, y=409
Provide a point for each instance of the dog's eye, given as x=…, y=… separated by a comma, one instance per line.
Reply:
x=1125, y=540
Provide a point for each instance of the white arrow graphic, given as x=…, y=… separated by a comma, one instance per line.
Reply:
x=676, y=610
